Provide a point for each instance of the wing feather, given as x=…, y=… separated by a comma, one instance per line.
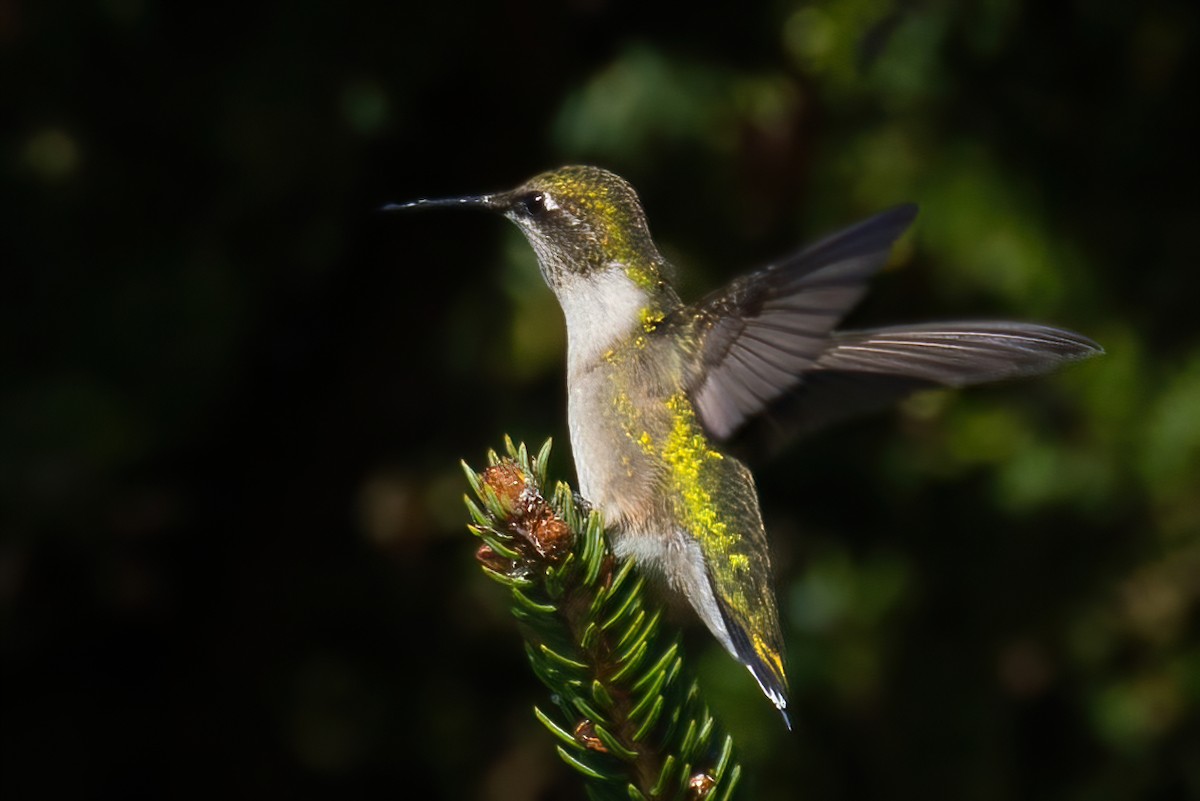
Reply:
x=865, y=371
x=763, y=332
x=766, y=342
x=956, y=354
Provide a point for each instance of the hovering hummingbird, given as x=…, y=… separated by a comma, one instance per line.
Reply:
x=656, y=388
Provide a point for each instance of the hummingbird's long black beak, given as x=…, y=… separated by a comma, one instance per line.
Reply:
x=469, y=201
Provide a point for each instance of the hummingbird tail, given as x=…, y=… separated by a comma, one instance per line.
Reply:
x=764, y=662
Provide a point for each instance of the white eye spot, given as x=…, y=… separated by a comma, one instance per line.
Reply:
x=548, y=202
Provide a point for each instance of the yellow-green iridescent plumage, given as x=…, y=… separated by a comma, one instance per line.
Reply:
x=676, y=486
x=715, y=500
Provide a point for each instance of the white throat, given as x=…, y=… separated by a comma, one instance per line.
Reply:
x=601, y=309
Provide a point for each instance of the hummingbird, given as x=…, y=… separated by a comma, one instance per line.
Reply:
x=658, y=389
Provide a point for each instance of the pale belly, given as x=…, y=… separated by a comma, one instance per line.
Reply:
x=615, y=472
x=630, y=489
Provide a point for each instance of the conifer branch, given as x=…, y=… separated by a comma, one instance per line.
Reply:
x=625, y=711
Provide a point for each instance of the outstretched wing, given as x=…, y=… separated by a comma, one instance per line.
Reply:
x=864, y=371
x=767, y=341
x=759, y=335
x=956, y=354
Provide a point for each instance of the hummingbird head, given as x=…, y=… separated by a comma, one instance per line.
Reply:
x=581, y=222
x=584, y=222
x=589, y=232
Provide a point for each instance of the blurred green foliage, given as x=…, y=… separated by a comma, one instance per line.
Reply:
x=234, y=396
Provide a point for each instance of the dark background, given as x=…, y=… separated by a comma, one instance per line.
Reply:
x=234, y=396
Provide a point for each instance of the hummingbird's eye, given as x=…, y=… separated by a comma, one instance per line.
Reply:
x=533, y=204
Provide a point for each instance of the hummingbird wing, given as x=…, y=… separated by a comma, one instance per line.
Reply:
x=955, y=354
x=767, y=341
x=864, y=371
x=763, y=332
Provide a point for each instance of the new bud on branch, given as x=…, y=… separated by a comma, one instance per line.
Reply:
x=626, y=712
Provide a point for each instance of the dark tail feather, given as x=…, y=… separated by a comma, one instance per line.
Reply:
x=766, y=668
